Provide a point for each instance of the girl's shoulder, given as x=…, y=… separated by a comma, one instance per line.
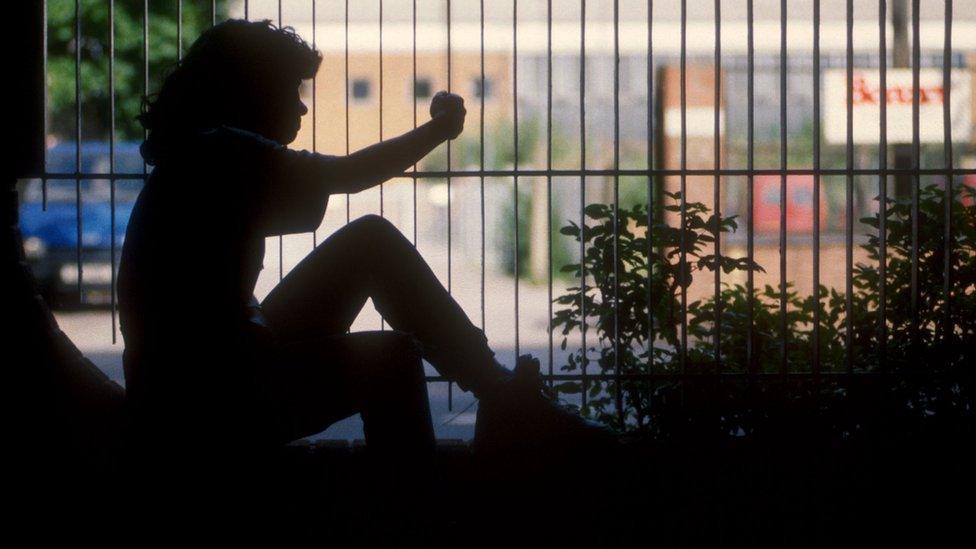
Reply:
x=235, y=138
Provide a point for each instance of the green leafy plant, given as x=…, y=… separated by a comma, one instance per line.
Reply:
x=945, y=334
x=632, y=266
x=630, y=301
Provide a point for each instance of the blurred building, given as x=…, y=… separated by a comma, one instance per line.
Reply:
x=646, y=88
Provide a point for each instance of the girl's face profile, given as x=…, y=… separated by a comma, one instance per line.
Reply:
x=280, y=111
x=294, y=109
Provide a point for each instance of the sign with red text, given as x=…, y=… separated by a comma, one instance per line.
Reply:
x=866, y=106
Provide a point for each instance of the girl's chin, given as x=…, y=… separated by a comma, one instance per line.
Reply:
x=290, y=136
x=284, y=138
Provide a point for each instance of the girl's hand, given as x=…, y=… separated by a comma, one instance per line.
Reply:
x=448, y=109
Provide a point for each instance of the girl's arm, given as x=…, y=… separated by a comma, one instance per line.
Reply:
x=377, y=163
x=283, y=191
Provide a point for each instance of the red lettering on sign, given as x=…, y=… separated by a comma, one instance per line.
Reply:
x=864, y=93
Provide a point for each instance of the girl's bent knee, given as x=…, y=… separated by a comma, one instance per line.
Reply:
x=372, y=223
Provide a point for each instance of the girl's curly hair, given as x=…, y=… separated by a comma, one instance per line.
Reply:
x=203, y=90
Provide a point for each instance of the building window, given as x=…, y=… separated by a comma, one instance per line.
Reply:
x=421, y=88
x=478, y=92
x=360, y=89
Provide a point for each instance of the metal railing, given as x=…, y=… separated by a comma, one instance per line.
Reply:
x=654, y=172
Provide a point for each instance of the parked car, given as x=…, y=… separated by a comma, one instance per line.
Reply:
x=51, y=233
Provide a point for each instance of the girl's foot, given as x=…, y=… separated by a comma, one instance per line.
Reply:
x=523, y=413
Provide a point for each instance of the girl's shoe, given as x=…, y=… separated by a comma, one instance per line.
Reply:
x=523, y=413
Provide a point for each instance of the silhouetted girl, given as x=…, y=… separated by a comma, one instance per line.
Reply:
x=204, y=361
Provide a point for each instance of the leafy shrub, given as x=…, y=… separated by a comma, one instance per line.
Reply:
x=633, y=312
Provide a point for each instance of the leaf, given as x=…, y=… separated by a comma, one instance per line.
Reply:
x=597, y=211
x=569, y=387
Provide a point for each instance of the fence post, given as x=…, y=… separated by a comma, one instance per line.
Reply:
x=26, y=105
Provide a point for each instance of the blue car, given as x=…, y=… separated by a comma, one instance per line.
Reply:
x=51, y=233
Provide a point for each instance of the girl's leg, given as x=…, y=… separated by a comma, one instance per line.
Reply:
x=370, y=258
x=379, y=375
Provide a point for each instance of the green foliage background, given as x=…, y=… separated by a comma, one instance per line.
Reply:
x=129, y=59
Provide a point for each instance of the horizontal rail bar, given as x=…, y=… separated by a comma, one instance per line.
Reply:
x=771, y=375
x=636, y=172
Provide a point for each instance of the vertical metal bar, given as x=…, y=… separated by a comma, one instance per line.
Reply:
x=382, y=210
x=916, y=165
x=450, y=385
x=849, y=201
x=25, y=154
x=481, y=156
x=650, y=185
x=179, y=28
x=414, y=73
x=381, y=102
x=448, y=144
x=44, y=105
x=346, y=54
x=883, y=187
x=213, y=14
x=281, y=238
x=683, y=257
x=947, y=147
x=515, y=178
x=750, y=190
x=617, y=344
x=815, y=335
x=717, y=196
x=582, y=84
x=145, y=71
x=78, y=224
x=314, y=89
x=246, y=9
x=784, y=364
x=111, y=158
x=346, y=79
x=548, y=181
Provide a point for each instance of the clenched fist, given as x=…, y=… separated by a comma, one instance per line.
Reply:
x=448, y=109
